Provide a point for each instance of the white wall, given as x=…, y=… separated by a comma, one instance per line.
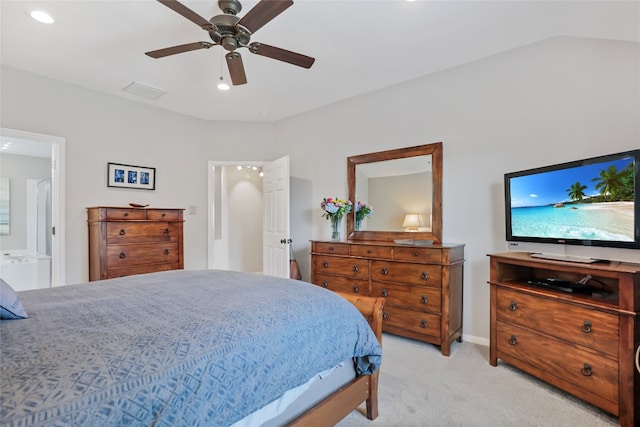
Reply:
x=101, y=128
x=557, y=100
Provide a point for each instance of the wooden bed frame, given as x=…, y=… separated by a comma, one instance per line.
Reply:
x=339, y=404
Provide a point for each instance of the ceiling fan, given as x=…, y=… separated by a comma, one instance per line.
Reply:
x=232, y=32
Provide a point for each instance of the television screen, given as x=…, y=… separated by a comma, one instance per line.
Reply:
x=593, y=202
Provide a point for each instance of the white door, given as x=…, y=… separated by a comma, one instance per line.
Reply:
x=275, y=234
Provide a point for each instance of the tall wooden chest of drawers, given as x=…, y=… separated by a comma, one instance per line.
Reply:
x=581, y=343
x=422, y=285
x=126, y=241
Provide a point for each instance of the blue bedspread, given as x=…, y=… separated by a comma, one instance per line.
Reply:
x=177, y=348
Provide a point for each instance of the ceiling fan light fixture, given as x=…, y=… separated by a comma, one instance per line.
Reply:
x=42, y=16
x=222, y=85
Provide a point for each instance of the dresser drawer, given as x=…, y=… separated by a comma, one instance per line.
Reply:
x=140, y=269
x=579, y=325
x=125, y=214
x=371, y=251
x=144, y=253
x=429, y=255
x=330, y=248
x=595, y=373
x=164, y=215
x=408, y=273
x=132, y=232
x=414, y=297
x=352, y=267
x=342, y=284
x=414, y=321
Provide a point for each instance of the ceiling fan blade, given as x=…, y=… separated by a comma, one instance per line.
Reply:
x=282, y=55
x=161, y=53
x=187, y=13
x=262, y=13
x=236, y=68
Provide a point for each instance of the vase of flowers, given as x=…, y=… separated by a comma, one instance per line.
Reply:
x=334, y=211
x=362, y=210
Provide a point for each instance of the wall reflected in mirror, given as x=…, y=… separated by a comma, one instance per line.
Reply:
x=394, y=189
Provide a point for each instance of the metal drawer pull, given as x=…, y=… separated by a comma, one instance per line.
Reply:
x=424, y=299
x=385, y=293
x=385, y=271
x=163, y=214
x=512, y=340
x=369, y=251
x=513, y=306
x=166, y=251
x=415, y=254
x=126, y=214
x=384, y=315
x=122, y=232
x=325, y=284
x=331, y=248
x=425, y=275
x=355, y=267
x=423, y=323
x=586, y=327
x=356, y=289
x=166, y=231
x=325, y=264
x=122, y=255
x=586, y=370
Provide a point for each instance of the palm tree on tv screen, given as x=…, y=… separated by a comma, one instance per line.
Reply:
x=576, y=191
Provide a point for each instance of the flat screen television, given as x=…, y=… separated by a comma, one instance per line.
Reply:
x=590, y=202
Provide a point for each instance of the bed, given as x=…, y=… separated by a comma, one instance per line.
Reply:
x=189, y=348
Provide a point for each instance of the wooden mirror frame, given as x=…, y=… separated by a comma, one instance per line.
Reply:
x=435, y=150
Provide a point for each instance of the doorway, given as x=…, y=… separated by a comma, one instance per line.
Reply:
x=46, y=231
x=235, y=216
x=248, y=222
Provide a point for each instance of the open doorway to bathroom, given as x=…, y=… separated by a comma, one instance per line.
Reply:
x=32, y=229
x=236, y=216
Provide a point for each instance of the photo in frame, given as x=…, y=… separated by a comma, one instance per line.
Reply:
x=129, y=176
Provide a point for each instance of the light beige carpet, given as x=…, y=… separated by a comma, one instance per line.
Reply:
x=420, y=387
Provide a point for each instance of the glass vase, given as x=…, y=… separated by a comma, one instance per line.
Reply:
x=335, y=227
x=358, y=224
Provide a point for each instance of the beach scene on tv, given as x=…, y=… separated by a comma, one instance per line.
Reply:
x=588, y=202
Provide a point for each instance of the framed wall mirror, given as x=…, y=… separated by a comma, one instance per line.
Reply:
x=404, y=189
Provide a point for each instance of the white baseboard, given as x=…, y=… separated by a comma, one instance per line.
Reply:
x=475, y=340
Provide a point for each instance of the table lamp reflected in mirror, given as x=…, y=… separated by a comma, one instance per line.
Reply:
x=413, y=222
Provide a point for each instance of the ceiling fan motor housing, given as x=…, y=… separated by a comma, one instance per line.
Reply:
x=226, y=34
x=232, y=7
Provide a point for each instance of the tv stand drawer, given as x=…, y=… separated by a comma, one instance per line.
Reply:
x=580, y=325
x=584, y=369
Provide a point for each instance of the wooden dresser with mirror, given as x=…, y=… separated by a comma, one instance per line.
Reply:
x=420, y=277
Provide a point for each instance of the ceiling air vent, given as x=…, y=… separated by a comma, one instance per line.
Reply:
x=144, y=90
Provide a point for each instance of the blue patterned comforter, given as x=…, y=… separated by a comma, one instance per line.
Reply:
x=177, y=348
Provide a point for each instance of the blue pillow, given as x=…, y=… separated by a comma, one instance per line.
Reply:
x=10, y=304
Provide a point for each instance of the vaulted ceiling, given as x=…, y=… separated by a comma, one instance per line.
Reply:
x=359, y=46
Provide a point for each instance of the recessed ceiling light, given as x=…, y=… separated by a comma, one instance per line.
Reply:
x=41, y=16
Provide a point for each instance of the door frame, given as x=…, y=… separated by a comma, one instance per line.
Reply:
x=57, y=143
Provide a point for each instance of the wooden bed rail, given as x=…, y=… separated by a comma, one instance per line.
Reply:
x=342, y=402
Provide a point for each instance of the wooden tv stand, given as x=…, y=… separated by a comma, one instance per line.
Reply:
x=583, y=344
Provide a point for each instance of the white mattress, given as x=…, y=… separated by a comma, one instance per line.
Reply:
x=298, y=400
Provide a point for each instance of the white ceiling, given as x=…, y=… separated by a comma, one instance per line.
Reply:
x=359, y=46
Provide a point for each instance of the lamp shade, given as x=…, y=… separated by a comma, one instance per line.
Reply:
x=413, y=222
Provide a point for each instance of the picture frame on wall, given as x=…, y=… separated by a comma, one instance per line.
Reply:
x=129, y=176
